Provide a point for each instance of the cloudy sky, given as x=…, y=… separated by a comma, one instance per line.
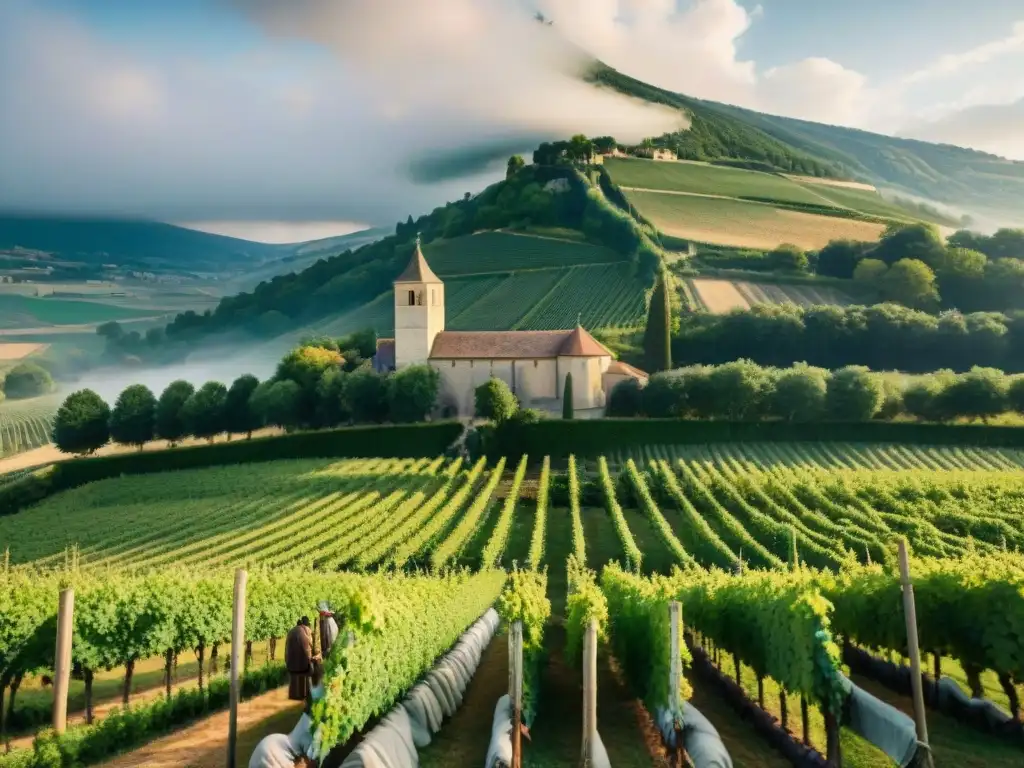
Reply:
x=287, y=120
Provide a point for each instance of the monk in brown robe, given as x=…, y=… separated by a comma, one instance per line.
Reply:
x=299, y=659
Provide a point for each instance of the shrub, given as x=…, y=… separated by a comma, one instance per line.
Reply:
x=979, y=394
x=853, y=394
x=799, y=393
x=567, y=398
x=664, y=395
x=626, y=399
x=27, y=380
x=495, y=401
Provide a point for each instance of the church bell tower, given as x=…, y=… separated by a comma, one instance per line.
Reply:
x=419, y=310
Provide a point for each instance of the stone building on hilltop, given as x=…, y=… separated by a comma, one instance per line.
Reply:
x=534, y=364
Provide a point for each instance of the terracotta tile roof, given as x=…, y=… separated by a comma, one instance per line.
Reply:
x=498, y=344
x=513, y=345
x=625, y=369
x=418, y=270
x=582, y=344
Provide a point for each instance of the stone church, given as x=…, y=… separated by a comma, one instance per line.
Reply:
x=534, y=364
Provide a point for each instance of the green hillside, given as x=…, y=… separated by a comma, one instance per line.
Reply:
x=514, y=282
x=140, y=245
x=959, y=177
x=550, y=219
x=501, y=251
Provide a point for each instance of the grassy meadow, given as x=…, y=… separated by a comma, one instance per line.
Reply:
x=720, y=296
x=701, y=179
x=30, y=312
x=741, y=224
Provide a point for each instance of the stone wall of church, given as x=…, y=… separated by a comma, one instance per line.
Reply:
x=587, y=384
x=530, y=380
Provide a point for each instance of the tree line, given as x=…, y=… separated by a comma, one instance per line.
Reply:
x=880, y=336
x=910, y=264
x=314, y=387
x=745, y=391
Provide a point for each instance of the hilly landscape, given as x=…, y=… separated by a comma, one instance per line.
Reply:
x=707, y=452
x=977, y=183
x=526, y=253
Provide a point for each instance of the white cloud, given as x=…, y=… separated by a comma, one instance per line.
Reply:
x=691, y=50
x=996, y=128
x=272, y=135
x=985, y=53
x=816, y=89
x=276, y=231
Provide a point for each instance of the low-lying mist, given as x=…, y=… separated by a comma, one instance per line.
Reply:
x=217, y=364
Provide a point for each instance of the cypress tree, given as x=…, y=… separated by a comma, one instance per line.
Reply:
x=657, y=334
x=567, y=409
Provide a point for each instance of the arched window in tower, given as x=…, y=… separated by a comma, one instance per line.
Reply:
x=412, y=298
x=419, y=299
x=433, y=297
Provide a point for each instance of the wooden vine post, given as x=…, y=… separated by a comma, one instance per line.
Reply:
x=910, y=612
x=62, y=665
x=589, y=694
x=237, y=649
x=515, y=689
x=675, y=681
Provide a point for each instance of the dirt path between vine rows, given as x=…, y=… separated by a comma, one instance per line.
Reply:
x=464, y=739
x=204, y=744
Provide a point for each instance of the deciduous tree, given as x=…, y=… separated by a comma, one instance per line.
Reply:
x=515, y=164
x=412, y=393
x=910, y=282
x=277, y=403
x=203, y=413
x=82, y=423
x=870, y=271
x=133, y=419
x=170, y=423
x=238, y=412
x=366, y=395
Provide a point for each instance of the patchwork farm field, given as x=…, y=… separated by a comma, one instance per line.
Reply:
x=725, y=221
x=715, y=527
x=739, y=183
x=700, y=179
x=721, y=296
x=29, y=312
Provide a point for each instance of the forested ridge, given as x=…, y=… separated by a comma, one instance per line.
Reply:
x=953, y=175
